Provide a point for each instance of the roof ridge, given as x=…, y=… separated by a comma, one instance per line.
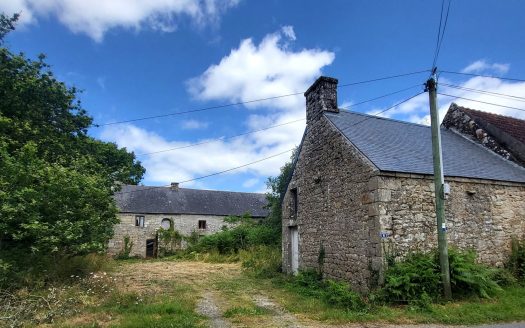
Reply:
x=379, y=118
x=490, y=113
x=222, y=191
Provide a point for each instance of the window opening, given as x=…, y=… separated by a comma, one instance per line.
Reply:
x=202, y=224
x=139, y=221
x=166, y=224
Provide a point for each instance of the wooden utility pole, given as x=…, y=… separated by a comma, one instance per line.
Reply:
x=439, y=186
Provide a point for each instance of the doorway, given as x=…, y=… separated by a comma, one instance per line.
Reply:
x=294, y=249
x=151, y=248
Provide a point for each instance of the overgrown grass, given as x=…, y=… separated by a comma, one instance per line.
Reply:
x=175, y=308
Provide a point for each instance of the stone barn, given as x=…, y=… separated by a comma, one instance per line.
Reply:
x=362, y=189
x=144, y=210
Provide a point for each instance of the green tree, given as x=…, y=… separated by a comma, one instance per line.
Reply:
x=277, y=186
x=56, y=181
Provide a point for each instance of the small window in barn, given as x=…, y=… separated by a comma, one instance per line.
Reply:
x=294, y=202
x=139, y=221
x=202, y=224
x=166, y=224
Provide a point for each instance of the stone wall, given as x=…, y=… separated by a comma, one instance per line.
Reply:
x=332, y=181
x=459, y=121
x=183, y=223
x=481, y=215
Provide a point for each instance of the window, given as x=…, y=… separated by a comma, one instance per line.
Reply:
x=294, y=202
x=202, y=224
x=166, y=224
x=139, y=221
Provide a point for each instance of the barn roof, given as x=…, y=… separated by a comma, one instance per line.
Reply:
x=397, y=146
x=165, y=200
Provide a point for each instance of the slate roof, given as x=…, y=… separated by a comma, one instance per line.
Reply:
x=512, y=126
x=163, y=200
x=397, y=146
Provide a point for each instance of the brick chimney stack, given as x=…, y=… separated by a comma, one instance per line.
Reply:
x=321, y=97
x=174, y=186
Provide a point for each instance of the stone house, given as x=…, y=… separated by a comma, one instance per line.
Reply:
x=502, y=134
x=362, y=191
x=144, y=210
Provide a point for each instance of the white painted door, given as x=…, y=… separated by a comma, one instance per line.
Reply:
x=294, y=239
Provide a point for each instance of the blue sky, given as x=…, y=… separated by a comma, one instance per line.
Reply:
x=140, y=58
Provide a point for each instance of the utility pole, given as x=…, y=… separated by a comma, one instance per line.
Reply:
x=439, y=185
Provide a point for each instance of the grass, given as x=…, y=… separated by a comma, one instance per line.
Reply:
x=157, y=293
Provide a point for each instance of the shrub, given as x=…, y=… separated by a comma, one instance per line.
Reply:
x=126, y=249
x=516, y=263
x=334, y=293
x=417, y=279
x=261, y=261
x=414, y=278
x=230, y=240
x=470, y=278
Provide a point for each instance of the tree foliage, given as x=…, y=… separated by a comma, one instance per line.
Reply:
x=277, y=186
x=56, y=181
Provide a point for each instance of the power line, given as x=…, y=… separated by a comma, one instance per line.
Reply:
x=213, y=174
x=389, y=108
x=441, y=32
x=269, y=127
x=238, y=167
x=480, y=75
x=491, y=93
x=269, y=157
x=220, y=139
x=383, y=96
x=250, y=101
x=383, y=78
x=483, y=102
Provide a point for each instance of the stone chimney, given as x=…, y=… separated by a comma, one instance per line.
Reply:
x=174, y=186
x=321, y=97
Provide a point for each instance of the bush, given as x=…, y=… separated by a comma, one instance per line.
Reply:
x=516, y=264
x=262, y=261
x=414, y=278
x=247, y=234
x=470, y=278
x=333, y=293
x=19, y=269
x=417, y=279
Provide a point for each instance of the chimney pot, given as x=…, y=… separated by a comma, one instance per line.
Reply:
x=321, y=97
x=174, y=186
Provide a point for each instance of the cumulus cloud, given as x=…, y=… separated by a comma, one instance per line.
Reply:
x=289, y=32
x=96, y=17
x=493, y=90
x=268, y=69
x=251, y=71
x=481, y=66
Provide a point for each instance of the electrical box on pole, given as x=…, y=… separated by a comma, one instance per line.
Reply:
x=441, y=189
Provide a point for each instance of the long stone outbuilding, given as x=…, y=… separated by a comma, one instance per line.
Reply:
x=362, y=191
x=144, y=210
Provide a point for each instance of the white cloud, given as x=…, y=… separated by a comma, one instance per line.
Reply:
x=96, y=17
x=289, y=32
x=260, y=71
x=482, y=65
x=417, y=109
x=194, y=125
x=249, y=72
x=101, y=81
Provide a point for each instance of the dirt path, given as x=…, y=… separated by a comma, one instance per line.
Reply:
x=219, y=289
x=208, y=308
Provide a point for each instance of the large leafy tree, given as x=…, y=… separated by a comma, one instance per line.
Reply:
x=56, y=181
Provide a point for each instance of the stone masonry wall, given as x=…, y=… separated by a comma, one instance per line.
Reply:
x=459, y=121
x=183, y=223
x=481, y=215
x=332, y=182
